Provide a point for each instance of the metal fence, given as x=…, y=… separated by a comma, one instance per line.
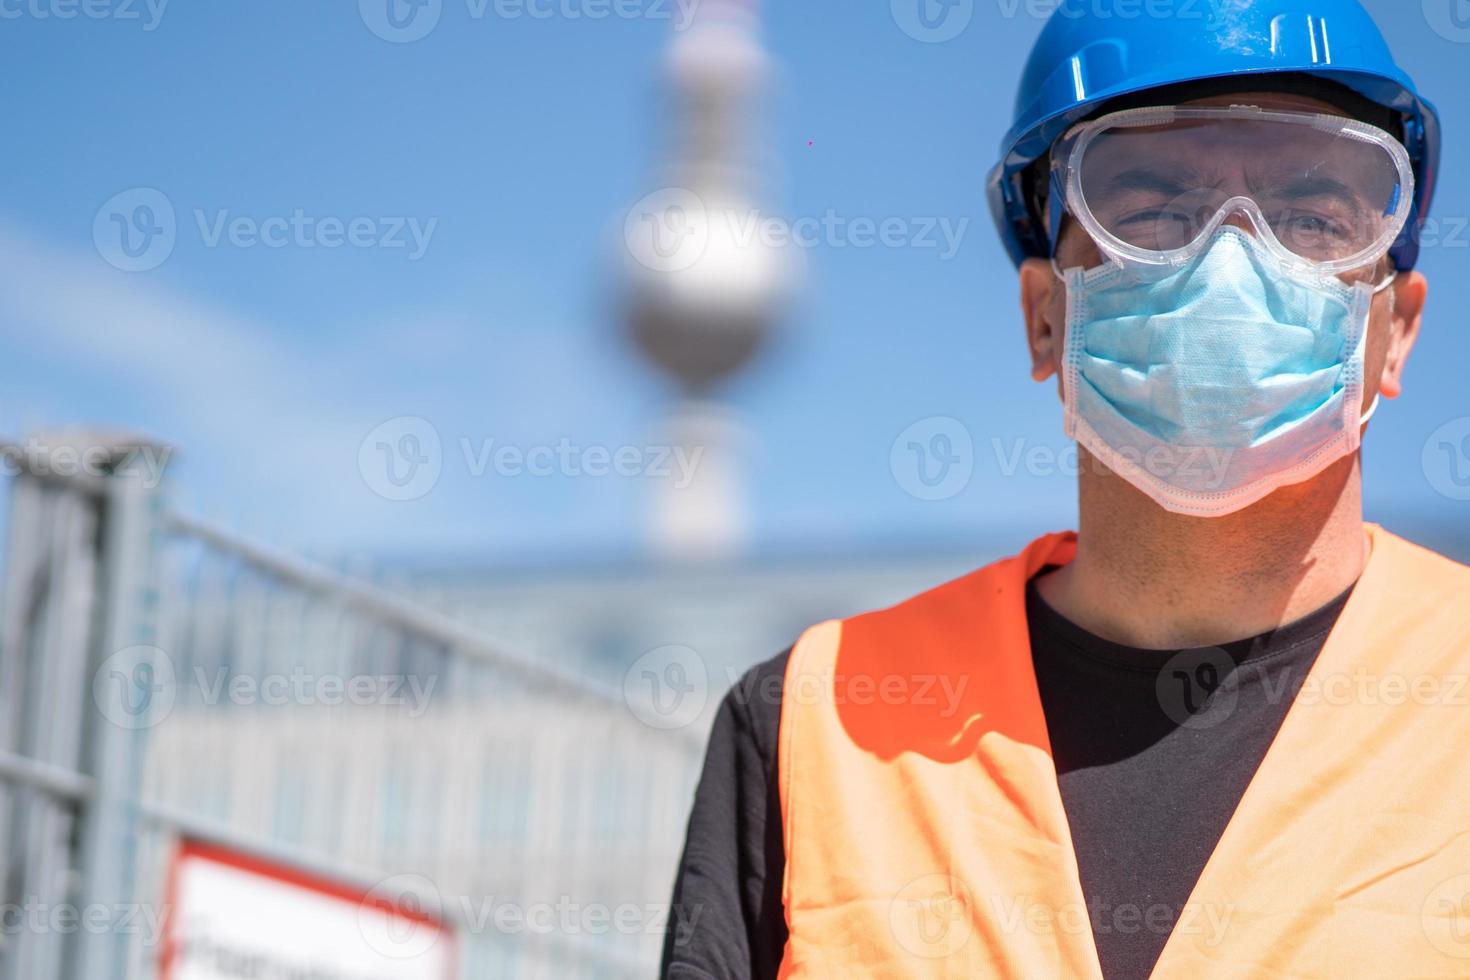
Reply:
x=164, y=680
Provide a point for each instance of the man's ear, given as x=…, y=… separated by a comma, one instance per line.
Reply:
x=1043, y=338
x=1410, y=289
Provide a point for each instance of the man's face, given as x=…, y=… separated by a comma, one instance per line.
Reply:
x=1394, y=318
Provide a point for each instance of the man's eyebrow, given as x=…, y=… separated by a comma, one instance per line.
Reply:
x=1316, y=185
x=1146, y=179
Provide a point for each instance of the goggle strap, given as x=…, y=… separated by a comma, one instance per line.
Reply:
x=1055, y=210
x=1393, y=202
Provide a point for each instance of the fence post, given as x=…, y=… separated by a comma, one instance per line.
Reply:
x=50, y=575
x=118, y=481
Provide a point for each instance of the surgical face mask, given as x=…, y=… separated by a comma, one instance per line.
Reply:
x=1210, y=384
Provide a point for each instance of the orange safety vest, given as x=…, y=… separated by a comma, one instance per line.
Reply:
x=925, y=835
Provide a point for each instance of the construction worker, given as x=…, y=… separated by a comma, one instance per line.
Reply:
x=1220, y=730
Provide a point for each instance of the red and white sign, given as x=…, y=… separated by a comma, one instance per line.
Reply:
x=234, y=916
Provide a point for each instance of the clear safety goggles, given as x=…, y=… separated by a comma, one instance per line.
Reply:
x=1152, y=185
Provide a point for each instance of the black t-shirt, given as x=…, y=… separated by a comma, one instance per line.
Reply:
x=1153, y=751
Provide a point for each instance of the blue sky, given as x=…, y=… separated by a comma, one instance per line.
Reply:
x=517, y=144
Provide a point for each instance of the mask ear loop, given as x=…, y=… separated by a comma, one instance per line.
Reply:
x=1388, y=281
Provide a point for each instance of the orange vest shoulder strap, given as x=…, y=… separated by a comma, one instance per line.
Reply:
x=906, y=735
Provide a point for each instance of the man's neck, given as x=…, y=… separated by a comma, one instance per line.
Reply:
x=1152, y=579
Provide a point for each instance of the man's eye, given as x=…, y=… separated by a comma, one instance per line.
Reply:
x=1160, y=228
x=1309, y=227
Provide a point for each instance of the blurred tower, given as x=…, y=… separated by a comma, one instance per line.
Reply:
x=709, y=272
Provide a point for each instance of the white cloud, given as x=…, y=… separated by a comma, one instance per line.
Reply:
x=268, y=417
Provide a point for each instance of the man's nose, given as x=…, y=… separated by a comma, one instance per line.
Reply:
x=1237, y=218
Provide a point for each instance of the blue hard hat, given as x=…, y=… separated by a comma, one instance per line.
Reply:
x=1094, y=52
